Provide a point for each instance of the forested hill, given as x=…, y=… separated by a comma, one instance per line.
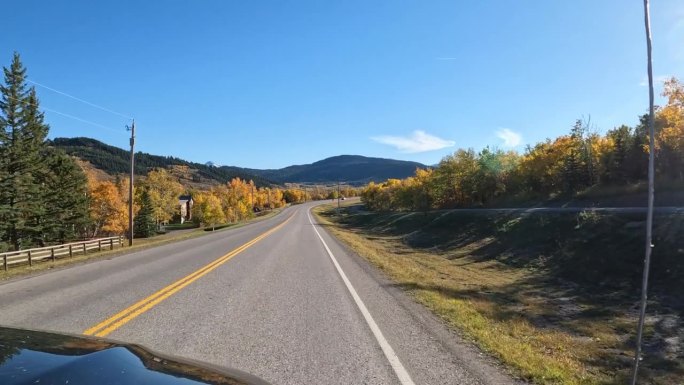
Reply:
x=351, y=169
x=114, y=160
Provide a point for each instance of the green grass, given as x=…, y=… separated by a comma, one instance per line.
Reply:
x=551, y=295
x=220, y=227
x=181, y=226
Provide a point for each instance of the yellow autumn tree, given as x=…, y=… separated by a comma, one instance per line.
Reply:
x=540, y=169
x=670, y=137
x=236, y=199
x=198, y=198
x=212, y=212
x=277, y=199
x=419, y=189
x=602, y=149
x=293, y=195
x=164, y=190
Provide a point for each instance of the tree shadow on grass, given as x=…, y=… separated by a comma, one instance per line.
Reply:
x=597, y=252
x=563, y=312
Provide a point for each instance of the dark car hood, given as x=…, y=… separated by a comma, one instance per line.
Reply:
x=33, y=357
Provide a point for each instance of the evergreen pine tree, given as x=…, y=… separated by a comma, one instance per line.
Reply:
x=572, y=172
x=143, y=223
x=638, y=156
x=22, y=137
x=579, y=164
x=622, y=138
x=64, y=188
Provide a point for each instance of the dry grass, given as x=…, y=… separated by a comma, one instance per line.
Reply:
x=89, y=169
x=531, y=324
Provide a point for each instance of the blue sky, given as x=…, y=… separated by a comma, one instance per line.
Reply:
x=267, y=84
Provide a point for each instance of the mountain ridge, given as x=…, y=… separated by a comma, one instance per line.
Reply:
x=350, y=169
x=353, y=169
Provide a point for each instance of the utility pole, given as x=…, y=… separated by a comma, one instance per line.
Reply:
x=651, y=193
x=252, y=195
x=269, y=199
x=338, y=197
x=130, y=185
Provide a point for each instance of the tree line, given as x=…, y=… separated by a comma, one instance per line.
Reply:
x=239, y=200
x=562, y=166
x=156, y=202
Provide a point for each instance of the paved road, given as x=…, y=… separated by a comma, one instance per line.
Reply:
x=292, y=307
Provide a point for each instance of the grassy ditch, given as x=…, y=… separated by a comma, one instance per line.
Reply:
x=138, y=244
x=552, y=295
x=181, y=226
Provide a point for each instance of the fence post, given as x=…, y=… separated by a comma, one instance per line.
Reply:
x=111, y=244
x=52, y=254
x=85, y=251
x=4, y=261
x=120, y=241
x=71, y=251
x=30, y=261
x=99, y=245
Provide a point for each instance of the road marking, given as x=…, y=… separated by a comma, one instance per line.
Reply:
x=121, y=318
x=391, y=356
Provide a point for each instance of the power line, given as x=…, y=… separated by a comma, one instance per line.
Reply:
x=65, y=114
x=81, y=120
x=80, y=100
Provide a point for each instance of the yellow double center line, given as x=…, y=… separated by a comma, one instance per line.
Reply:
x=121, y=318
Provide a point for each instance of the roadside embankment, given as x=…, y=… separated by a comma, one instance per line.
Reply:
x=552, y=295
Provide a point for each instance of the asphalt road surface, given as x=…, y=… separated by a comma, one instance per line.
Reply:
x=280, y=299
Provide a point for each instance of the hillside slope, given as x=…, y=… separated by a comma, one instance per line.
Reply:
x=114, y=160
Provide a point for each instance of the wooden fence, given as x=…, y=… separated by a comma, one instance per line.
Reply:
x=59, y=251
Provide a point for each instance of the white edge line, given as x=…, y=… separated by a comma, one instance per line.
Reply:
x=391, y=356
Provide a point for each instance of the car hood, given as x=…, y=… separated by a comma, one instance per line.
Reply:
x=35, y=357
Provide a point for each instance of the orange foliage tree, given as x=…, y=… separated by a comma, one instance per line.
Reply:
x=108, y=212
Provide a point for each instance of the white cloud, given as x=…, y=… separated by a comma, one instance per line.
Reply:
x=418, y=141
x=657, y=80
x=510, y=138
